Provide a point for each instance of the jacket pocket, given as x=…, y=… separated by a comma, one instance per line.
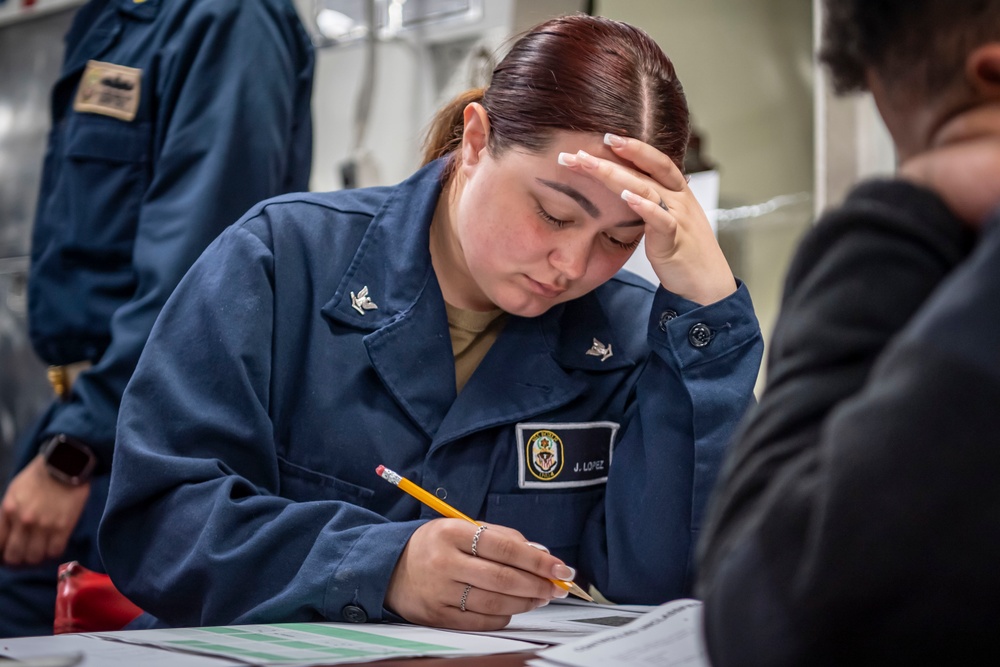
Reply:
x=305, y=485
x=553, y=519
x=105, y=173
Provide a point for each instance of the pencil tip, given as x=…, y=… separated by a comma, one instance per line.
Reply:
x=579, y=592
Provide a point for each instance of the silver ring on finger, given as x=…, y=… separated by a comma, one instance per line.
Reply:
x=465, y=597
x=475, y=540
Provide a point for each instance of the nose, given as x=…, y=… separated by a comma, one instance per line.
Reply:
x=571, y=255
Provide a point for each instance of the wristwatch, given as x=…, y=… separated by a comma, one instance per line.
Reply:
x=68, y=459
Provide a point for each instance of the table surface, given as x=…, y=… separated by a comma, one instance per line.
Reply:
x=497, y=660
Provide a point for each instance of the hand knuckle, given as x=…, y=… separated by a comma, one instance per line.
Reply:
x=509, y=549
x=504, y=578
x=492, y=605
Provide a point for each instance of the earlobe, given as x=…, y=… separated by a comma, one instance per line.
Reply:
x=982, y=68
x=476, y=133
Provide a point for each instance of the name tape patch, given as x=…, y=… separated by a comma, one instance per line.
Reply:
x=564, y=455
x=110, y=90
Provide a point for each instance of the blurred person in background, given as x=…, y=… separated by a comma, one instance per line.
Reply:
x=169, y=120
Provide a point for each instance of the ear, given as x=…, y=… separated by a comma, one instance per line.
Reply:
x=476, y=134
x=982, y=69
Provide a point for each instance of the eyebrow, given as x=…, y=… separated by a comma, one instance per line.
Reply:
x=585, y=203
x=577, y=196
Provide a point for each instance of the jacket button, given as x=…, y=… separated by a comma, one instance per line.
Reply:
x=354, y=614
x=700, y=335
x=441, y=492
x=665, y=317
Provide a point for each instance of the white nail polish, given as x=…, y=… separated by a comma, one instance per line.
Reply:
x=540, y=547
x=567, y=159
x=613, y=140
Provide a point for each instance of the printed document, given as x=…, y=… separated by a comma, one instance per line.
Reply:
x=668, y=636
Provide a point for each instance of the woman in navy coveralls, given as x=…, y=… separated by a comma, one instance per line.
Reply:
x=311, y=343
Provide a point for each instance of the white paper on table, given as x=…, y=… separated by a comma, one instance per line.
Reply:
x=304, y=644
x=668, y=636
x=103, y=653
x=565, y=621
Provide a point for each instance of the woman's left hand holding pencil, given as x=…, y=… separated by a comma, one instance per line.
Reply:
x=508, y=576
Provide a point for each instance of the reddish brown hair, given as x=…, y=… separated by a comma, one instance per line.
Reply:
x=578, y=73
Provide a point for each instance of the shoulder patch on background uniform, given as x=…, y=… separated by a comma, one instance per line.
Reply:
x=110, y=90
x=563, y=455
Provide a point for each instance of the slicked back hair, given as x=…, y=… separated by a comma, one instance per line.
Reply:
x=577, y=73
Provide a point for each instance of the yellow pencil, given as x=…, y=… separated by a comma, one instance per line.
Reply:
x=447, y=510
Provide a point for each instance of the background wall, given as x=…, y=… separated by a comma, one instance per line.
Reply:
x=747, y=71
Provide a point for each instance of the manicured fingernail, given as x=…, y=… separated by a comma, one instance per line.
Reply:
x=586, y=159
x=564, y=572
x=560, y=592
x=541, y=603
x=614, y=140
x=540, y=547
x=567, y=159
x=630, y=197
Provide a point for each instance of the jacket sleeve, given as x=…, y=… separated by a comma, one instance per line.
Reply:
x=229, y=545
x=694, y=388
x=824, y=514
x=230, y=130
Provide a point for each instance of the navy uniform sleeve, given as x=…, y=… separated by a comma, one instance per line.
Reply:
x=827, y=520
x=232, y=128
x=229, y=545
x=687, y=401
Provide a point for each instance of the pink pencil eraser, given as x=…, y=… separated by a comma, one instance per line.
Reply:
x=379, y=470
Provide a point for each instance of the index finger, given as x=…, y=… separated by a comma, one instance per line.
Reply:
x=507, y=546
x=648, y=159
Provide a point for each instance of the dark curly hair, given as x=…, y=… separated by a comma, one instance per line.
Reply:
x=919, y=43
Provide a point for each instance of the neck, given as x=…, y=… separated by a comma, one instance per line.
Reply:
x=448, y=258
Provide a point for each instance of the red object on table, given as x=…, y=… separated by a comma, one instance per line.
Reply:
x=87, y=601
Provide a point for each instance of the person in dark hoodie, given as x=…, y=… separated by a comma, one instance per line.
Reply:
x=857, y=517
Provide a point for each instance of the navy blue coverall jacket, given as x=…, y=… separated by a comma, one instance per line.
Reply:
x=250, y=433
x=223, y=121
x=219, y=119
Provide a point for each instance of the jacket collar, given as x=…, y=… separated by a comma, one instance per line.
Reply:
x=392, y=261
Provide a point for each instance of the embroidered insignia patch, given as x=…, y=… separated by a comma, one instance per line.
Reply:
x=545, y=456
x=562, y=455
x=110, y=90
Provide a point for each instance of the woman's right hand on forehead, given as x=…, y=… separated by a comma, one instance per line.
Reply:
x=680, y=243
x=508, y=576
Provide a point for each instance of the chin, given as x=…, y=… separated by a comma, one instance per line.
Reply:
x=526, y=307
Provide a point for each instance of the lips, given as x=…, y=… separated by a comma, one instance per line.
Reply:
x=545, y=290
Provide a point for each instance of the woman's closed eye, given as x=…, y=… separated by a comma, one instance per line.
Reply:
x=624, y=245
x=552, y=220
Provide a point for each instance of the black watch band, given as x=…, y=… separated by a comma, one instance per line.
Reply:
x=68, y=459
